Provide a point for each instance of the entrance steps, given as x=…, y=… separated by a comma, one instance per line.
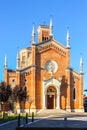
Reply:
x=51, y=112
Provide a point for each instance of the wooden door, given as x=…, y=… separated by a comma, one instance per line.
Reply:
x=50, y=102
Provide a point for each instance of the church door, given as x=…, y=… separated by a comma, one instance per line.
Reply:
x=50, y=101
x=51, y=98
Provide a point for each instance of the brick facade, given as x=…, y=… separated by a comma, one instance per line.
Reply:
x=45, y=70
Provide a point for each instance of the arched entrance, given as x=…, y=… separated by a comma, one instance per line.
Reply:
x=51, y=97
x=51, y=93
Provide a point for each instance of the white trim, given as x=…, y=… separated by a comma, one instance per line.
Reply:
x=51, y=82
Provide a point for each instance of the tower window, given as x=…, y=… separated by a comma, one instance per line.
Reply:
x=42, y=38
x=45, y=38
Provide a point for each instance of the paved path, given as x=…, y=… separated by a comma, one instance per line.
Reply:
x=74, y=120
x=11, y=125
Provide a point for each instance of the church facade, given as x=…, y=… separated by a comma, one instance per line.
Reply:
x=44, y=70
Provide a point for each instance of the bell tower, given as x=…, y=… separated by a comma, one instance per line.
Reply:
x=45, y=32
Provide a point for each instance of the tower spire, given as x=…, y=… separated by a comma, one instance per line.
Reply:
x=33, y=35
x=5, y=62
x=18, y=61
x=51, y=27
x=81, y=64
x=68, y=38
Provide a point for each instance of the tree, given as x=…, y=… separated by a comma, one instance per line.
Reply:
x=19, y=94
x=5, y=92
x=15, y=93
x=22, y=94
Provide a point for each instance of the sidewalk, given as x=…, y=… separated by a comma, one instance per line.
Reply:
x=73, y=120
x=8, y=125
x=11, y=125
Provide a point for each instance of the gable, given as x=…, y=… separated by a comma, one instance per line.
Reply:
x=43, y=47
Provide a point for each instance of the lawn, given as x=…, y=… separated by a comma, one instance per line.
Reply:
x=8, y=117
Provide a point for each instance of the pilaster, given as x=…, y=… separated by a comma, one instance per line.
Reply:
x=33, y=78
x=6, y=76
x=18, y=77
x=68, y=89
x=81, y=91
x=68, y=57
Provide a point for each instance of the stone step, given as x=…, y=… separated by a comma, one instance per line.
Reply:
x=51, y=111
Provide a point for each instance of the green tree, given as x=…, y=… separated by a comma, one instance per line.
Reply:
x=5, y=92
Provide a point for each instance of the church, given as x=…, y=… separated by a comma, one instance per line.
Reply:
x=43, y=69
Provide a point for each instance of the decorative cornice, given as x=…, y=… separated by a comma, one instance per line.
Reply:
x=51, y=44
x=11, y=71
x=75, y=73
x=27, y=69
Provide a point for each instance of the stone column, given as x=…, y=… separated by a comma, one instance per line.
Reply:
x=58, y=98
x=44, y=101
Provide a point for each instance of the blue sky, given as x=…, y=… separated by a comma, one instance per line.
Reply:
x=18, y=16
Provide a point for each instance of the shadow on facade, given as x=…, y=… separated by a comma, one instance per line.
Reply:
x=63, y=90
x=65, y=94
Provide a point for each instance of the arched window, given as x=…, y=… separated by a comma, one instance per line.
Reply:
x=74, y=93
x=25, y=88
x=13, y=84
x=42, y=38
x=13, y=80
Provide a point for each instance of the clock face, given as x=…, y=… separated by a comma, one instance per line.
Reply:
x=51, y=66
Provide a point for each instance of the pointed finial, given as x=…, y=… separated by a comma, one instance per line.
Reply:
x=68, y=38
x=81, y=64
x=5, y=62
x=17, y=61
x=33, y=35
x=51, y=22
x=51, y=27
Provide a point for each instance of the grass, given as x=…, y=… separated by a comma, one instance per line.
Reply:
x=13, y=116
x=9, y=118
